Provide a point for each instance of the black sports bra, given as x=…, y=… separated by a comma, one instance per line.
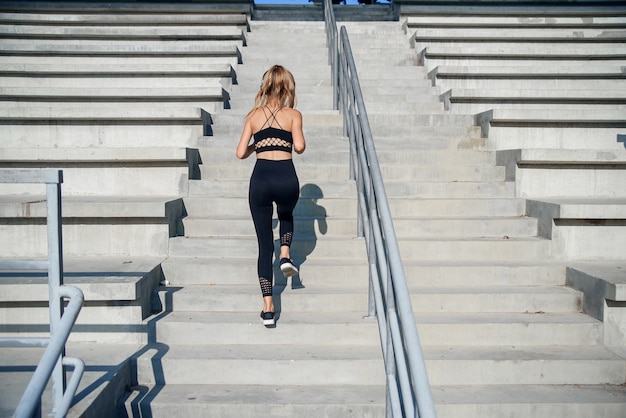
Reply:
x=270, y=138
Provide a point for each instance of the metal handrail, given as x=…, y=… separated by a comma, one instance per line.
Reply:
x=408, y=388
x=53, y=362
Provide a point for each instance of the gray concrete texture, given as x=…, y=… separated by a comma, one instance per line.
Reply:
x=486, y=234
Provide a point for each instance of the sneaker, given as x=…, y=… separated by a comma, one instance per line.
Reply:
x=268, y=319
x=287, y=267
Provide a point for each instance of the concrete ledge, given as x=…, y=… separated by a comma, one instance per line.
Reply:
x=521, y=53
x=96, y=157
x=222, y=6
x=205, y=49
x=216, y=93
x=117, y=19
x=545, y=117
x=493, y=21
x=581, y=212
x=121, y=70
x=604, y=290
x=532, y=96
x=598, y=282
x=527, y=72
x=99, y=207
x=555, y=158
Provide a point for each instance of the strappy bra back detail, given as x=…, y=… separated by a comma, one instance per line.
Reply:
x=270, y=138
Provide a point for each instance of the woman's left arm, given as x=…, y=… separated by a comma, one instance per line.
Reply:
x=299, y=144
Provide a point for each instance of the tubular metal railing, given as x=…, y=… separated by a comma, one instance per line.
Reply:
x=408, y=389
x=53, y=362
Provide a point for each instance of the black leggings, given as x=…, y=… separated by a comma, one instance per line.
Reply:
x=272, y=181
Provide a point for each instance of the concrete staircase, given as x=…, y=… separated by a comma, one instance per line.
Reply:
x=211, y=355
x=494, y=238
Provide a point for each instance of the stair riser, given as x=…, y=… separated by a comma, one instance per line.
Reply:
x=93, y=134
x=190, y=333
x=240, y=188
x=239, y=207
x=287, y=301
x=243, y=272
x=483, y=275
x=131, y=180
x=196, y=247
x=123, y=238
x=370, y=372
x=250, y=372
x=523, y=227
x=449, y=190
x=475, y=250
x=304, y=228
x=580, y=409
x=405, y=228
x=319, y=172
x=260, y=410
x=504, y=302
x=407, y=207
x=525, y=372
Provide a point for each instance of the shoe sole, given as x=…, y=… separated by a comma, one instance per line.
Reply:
x=289, y=270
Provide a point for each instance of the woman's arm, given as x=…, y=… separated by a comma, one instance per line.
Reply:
x=244, y=148
x=299, y=144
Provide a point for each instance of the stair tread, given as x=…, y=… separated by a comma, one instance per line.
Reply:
x=271, y=394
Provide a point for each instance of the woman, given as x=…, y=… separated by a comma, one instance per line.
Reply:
x=275, y=128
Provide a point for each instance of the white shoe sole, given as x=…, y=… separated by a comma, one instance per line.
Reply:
x=288, y=269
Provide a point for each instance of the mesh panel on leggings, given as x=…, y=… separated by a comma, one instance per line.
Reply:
x=266, y=286
x=285, y=239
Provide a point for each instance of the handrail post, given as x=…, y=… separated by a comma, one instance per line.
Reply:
x=53, y=362
x=55, y=281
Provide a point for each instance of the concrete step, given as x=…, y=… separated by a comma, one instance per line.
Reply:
x=467, y=189
x=326, y=172
x=447, y=207
x=119, y=32
x=242, y=225
x=435, y=329
x=243, y=364
x=131, y=83
x=487, y=273
x=250, y=400
x=339, y=329
x=482, y=249
x=528, y=365
x=513, y=21
x=541, y=401
x=107, y=374
x=145, y=60
x=450, y=47
x=136, y=19
x=350, y=248
x=238, y=188
x=115, y=134
x=245, y=298
x=118, y=297
x=512, y=34
x=210, y=270
x=318, y=207
x=468, y=299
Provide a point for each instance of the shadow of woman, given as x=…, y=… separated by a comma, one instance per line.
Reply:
x=306, y=214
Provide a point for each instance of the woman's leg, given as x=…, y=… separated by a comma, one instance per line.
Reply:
x=261, y=209
x=285, y=204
